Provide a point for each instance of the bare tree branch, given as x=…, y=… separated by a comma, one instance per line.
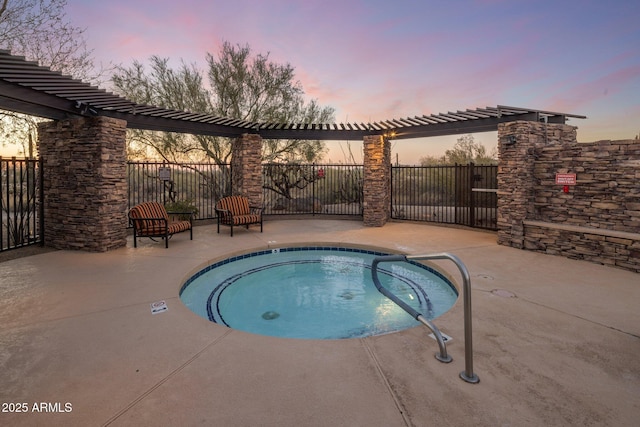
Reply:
x=243, y=86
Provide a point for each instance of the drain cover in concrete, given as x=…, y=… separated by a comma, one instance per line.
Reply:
x=445, y=337
x=503, y=293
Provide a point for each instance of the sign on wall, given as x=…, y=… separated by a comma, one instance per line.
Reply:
x=566, y=179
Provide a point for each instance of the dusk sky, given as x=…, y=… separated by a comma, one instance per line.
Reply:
x=373, y=60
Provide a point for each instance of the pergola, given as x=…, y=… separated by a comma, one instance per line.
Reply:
x=83, y=148
x=29, y=88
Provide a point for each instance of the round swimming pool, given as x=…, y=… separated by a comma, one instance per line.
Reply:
x=314, y=292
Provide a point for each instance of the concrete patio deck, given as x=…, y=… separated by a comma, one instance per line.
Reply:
x=77, y=333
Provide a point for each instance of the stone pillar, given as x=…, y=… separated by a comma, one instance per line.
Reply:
x=85, y=183
x=246, y=168
x=518, y=145
x=377, y=181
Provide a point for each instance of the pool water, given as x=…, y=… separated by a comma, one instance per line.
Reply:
x=315, y=293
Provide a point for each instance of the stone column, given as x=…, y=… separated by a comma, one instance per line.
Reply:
x=518, y=146
x=377, y=181
x=85, y=183
x=246, y=168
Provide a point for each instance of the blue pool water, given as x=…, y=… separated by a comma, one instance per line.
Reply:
x=314, y=292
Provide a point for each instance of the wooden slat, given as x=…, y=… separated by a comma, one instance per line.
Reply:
x=110, y=103
x=30, y=88
x=446, y=117
x=474, y=114
x=398, y=123
x=413, y=121
x=457, y=117
x=145, y=109
x=435, y=119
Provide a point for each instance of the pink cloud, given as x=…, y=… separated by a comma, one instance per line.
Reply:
x=583, y=94
x=374, y=61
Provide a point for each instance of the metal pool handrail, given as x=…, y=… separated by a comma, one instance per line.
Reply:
x=467, y=375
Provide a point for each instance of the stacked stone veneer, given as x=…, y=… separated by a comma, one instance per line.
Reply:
x=377, y=181
x=597, y=220
x=85, y=187
x=246, y=168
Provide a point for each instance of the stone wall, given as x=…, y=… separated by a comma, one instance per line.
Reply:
x=377, y=181
x=607, y=194
x=618, y=249
x=246, y=168
x=598, y=219
x=85, y=187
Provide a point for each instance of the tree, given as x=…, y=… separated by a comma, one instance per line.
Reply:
x=39, y=31
x=243, y=86
x=180, y=89
x=465, y=150
x=432, y=161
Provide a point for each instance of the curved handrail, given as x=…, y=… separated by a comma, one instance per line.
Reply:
x=442, y=356
x=467, y=375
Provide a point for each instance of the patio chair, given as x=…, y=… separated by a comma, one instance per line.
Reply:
x=151, y=219
x=235, y=210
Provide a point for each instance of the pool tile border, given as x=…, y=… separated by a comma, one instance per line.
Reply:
x=306, y=248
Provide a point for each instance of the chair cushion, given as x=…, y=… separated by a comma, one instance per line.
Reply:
x=178, y=226
x=245, y=219
x=238, y=205
x=150, y=210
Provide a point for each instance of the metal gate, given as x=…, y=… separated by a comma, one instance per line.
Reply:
x=21, y=220
x=457, y=194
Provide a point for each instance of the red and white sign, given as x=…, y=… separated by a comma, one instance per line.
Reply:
x=566, y=178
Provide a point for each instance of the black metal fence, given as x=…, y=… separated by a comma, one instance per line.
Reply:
x=458, y=194
x=288, y=188
x=179, y=185
x=313, y=189
x=20, y=194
